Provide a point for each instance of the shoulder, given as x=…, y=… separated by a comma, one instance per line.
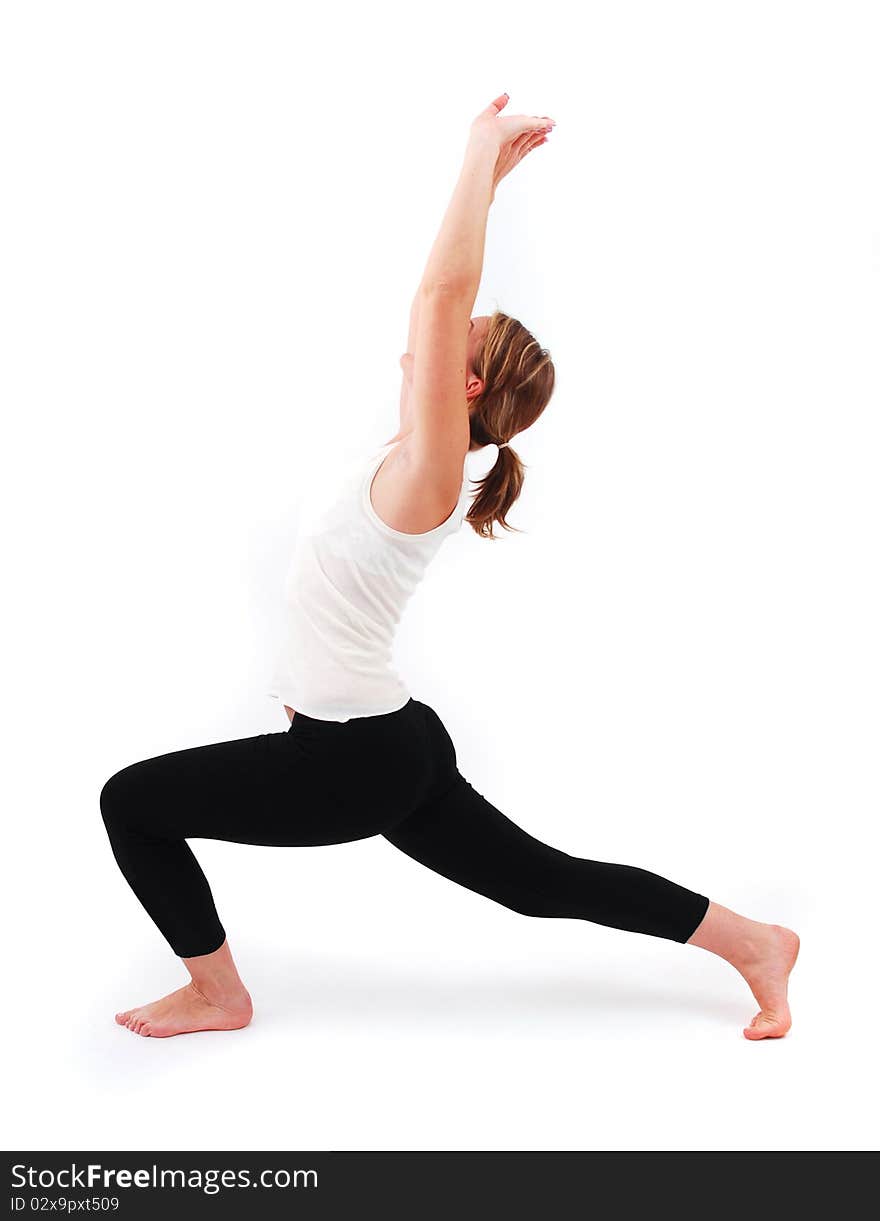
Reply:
x=414, y=490
x=436, y=466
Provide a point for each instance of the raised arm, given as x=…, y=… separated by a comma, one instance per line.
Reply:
x=424, y=475
x=446, y=298
x=450, y=283
x=438, y=318
x=503, y=144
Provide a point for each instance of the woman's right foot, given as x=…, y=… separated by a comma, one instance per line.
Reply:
x=766, y=965
x=185, y=1011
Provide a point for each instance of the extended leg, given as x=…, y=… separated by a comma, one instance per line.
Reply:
x=461, y=835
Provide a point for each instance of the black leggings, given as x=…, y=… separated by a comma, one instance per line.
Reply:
x=329, y=782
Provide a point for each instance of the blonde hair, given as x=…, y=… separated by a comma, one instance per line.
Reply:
x=519, y=378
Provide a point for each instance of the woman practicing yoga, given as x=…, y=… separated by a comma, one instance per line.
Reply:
x=362, y=757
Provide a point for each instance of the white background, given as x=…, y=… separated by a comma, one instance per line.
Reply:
x=216, y=215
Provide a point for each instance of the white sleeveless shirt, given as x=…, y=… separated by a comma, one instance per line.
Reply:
x=350, y=577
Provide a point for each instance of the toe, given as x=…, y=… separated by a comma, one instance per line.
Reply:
x=766, y=1026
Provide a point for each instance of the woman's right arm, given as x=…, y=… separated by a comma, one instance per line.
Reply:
x=509, y=156
x=432, y=393
x=450, y=283
x=422, y=480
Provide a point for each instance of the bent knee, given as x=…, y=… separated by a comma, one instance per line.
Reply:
x=119, y=797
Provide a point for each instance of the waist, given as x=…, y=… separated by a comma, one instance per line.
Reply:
x=334, y=693
x=362, y=721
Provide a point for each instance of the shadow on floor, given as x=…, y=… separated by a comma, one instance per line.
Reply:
x=342, y=992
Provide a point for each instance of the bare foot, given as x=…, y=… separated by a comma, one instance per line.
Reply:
x=766, y=967
x=185, y=1011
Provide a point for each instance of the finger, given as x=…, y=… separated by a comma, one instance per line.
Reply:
x=523, y=140
x=516, y=146
x=534, y=145
x=530, y=147
x=499, y=103
x=523, y=152
x=530, y=140
x=528, y=124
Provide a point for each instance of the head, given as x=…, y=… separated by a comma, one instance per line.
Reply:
x=510, y=379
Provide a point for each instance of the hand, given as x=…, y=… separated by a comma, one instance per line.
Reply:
x=511, y=154
x=508, y=129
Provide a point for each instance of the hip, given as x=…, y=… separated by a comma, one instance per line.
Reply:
x=405, y=753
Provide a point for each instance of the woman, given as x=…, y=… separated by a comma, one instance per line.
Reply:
x=361, y=757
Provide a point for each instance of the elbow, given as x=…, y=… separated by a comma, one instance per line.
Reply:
x=455, y=287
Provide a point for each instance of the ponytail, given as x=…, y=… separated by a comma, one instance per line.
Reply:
x=497, y=492
x=518, y=379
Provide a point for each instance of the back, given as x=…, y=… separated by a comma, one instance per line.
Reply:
x=349, y=580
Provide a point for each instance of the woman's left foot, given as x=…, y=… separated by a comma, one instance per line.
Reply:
x=185, y=1011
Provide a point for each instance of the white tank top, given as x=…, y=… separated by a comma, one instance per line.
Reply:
x=349, y=580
